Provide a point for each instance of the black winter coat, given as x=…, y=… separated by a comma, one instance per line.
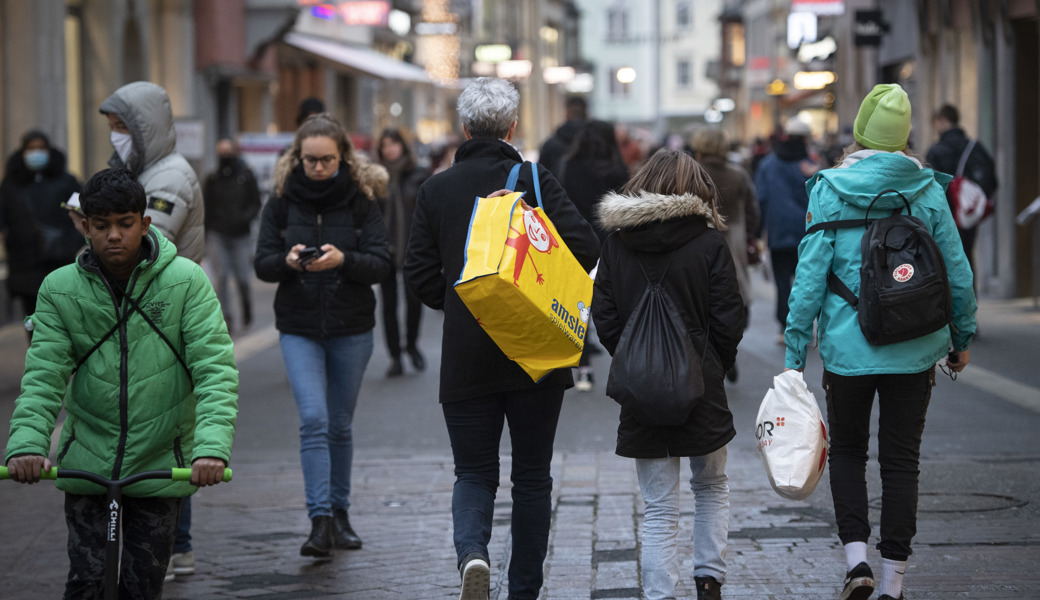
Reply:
x=40, y=237
x=556, y=147
x=232, y=199
x=945, y=155
x=323, y=304
x=471, y=363
x=702, y=282
x=586, y=181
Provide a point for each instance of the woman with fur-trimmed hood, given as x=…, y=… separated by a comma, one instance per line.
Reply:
x=322, y=240
x=666, y=221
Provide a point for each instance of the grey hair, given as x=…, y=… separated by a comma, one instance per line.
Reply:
x=488, y=107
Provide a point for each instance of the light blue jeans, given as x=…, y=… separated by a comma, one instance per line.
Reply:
x=231, y=256
x=659, y=482
x=325, y=376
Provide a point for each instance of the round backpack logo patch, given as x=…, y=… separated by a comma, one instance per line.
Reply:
x=903, y=273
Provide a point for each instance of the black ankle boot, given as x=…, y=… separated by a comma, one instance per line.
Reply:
x=319, y=544
x=344, y=537
x=247, y=313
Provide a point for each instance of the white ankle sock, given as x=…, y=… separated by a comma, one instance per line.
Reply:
x=892, y=577
x=855, y=553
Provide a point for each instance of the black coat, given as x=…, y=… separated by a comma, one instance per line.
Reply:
x=702, y=282
x=945, y=155
x=323, y=304
x=471, y=363
x=40, y=237
x=232, y=199
x=587, y=180
x=556, y=147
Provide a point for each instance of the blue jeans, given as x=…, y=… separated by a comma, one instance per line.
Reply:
x=475, y=429
x=325, y=376
x=659, y=482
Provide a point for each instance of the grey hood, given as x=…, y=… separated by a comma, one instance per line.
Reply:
x=145, y=108
x=617, y=211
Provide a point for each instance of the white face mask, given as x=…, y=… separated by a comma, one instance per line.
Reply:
x=123, y=144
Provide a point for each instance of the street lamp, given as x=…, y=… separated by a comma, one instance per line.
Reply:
x=626, y=74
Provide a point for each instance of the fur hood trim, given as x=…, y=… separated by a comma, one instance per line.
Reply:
x=626, y=212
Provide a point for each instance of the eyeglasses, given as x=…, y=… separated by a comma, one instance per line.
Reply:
x=326, y=161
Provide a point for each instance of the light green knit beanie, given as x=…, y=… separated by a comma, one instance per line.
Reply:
x=883, y=121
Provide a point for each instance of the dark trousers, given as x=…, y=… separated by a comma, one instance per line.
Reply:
x=182, y=541
x=413, y=312
x=784, y=261
x=968, y=241
x=902, y=404
x=475, y=429
x=148, y=526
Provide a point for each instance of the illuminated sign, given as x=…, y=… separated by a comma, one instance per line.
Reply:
x=514, y=69
x=374, y=13
x=557, y=75
x=776, y=88
x=820, y=50
x=813, y=80
x=493, y=53
x=819, y=7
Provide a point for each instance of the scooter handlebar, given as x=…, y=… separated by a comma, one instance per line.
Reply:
x=175, y=474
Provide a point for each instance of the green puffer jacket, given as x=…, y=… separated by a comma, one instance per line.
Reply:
x=130, y=406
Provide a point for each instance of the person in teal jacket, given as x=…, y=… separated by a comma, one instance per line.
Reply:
x=155, y=386
x=902, y=374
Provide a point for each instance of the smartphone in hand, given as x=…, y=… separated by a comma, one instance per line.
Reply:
x=309, y=255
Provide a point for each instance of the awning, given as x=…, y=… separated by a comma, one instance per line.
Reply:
x=360, y=59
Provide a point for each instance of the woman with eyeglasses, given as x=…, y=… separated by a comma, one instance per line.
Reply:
x=322, y=240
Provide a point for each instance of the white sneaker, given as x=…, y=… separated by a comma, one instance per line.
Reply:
x=583, y=383
x=170, y=576
x=476, y=579
x=183, y=563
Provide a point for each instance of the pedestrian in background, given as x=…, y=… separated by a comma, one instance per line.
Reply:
x=480, y=388
x=591, y=168
x=232, y=202
x=37, y=232
x=322, y=240
x=141, y=121
x=780, y=185
x=162, y=389
x=902, y=374
x=556, y=148
x=668, y=228
x=945, y=156
x=737, y=205
x=398, y=205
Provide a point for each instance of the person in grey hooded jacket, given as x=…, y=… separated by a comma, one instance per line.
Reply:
x=141, y=120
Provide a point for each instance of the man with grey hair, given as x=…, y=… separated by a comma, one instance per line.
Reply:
x=481, y=387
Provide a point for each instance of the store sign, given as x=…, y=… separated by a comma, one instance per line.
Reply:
x=515, y=70
x=821, y=50
x=819, y=7
x=801, y=28
x=372, y=13
x=493, y=53
x=868, y=28
x=813, y=80
x=557, y=75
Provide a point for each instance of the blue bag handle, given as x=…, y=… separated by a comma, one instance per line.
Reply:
x=514, y=175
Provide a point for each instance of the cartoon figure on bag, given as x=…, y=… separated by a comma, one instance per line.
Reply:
x=537, y=235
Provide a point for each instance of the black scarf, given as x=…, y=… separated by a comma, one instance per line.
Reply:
x=326, y=191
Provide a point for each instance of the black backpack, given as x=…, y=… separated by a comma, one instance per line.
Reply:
x=904, y=292
x=656, y=371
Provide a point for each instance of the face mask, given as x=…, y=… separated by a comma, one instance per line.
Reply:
x=36, y=160
x=123, y=144
x=227, y=161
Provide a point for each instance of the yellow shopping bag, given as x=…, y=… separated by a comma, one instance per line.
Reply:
x=524, y=286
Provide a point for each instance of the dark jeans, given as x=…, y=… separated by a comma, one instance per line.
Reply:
x=413, y=312
x=784, y=261
x=182, y=541
x=902, y=404
x=968, y=241
x=148, y=528
x=475, y=429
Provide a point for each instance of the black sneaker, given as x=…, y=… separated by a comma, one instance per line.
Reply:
x=859, y=583
x=708, y=588
x=476, y=578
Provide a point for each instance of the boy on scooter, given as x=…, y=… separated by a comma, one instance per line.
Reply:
x=155, y=386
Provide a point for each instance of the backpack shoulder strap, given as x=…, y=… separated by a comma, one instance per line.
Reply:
x=964, y=157
x=840, y=224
